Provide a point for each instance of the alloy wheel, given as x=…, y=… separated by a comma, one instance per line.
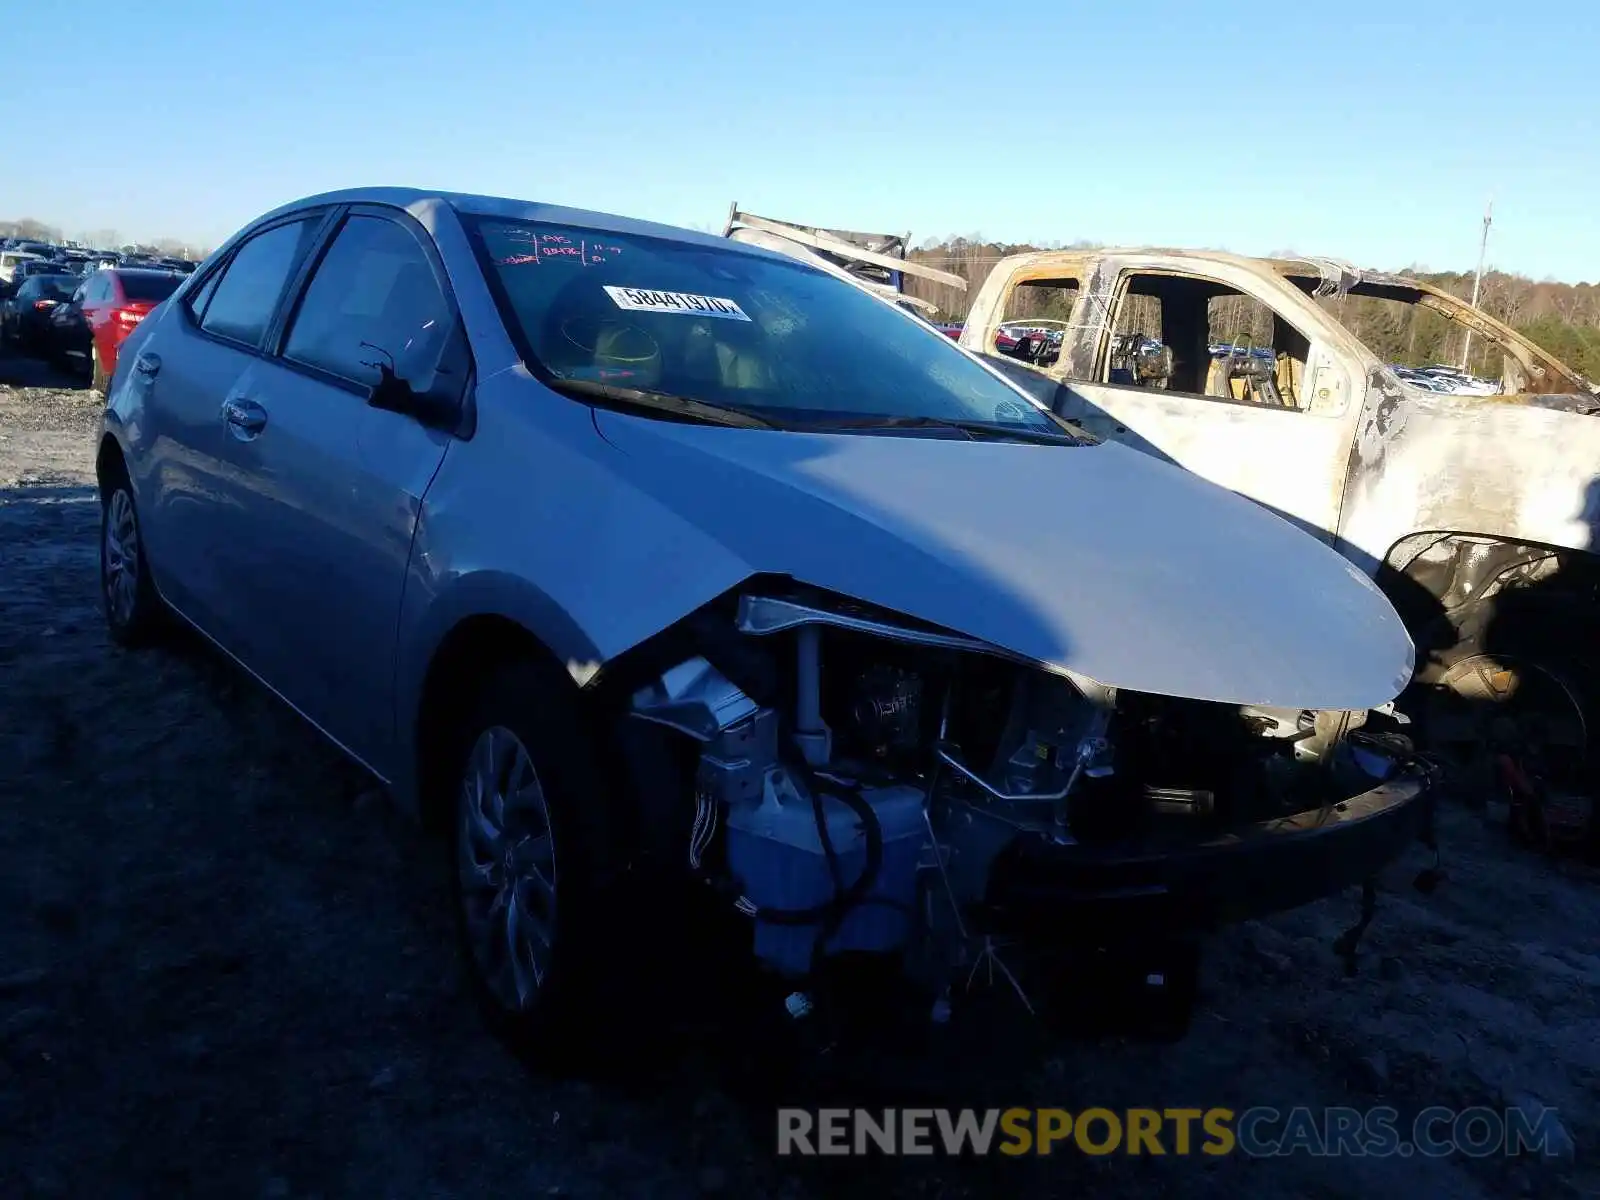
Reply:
x=120, y=570
x=506, y=862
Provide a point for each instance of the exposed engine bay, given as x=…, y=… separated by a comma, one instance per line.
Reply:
x=871, y=786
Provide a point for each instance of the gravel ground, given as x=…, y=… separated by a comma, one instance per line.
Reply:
x=226, y=968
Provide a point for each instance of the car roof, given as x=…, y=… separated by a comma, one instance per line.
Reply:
x=416, y=200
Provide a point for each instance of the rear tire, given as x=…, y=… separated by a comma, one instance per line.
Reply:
x=133, y=609
x=98, y=379
x=531, y=859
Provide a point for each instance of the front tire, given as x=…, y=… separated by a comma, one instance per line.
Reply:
x=530, y=856
x=1514, y=677
x=127, y=595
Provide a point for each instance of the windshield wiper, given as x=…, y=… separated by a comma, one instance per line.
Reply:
x=666, y=402
x=973, y=429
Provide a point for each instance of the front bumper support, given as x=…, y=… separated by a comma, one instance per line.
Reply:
x=1249, y=871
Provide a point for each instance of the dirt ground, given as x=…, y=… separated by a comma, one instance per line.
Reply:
x=226, y=968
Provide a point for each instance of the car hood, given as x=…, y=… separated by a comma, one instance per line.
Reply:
x=1091, y=559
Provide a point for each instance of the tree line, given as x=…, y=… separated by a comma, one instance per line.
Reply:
x=1563, y=318
x=33, y=230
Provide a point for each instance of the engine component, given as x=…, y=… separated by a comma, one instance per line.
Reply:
x=1054, y=738
x=886, y=711
x=823, y=866
x=802, y=848
x=694, y=698
x=811, y=735
x=847, y=819
x=734, y=767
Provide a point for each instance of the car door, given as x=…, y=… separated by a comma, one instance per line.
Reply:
x=191, y=495
x=331, y=485
x=1209, y=373
x=96, y=312
x=69, y=328
x=8, y=313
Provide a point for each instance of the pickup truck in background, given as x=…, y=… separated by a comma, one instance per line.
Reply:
x=1479, y=515
x=875, y=261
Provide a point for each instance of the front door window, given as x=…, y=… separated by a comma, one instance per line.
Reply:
x=1200, y=337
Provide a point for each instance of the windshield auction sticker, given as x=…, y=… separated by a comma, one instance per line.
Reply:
x=645, y=300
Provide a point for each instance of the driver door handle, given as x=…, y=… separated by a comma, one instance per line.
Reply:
x=244, y=418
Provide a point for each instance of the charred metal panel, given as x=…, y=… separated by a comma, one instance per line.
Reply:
x=1466, y=464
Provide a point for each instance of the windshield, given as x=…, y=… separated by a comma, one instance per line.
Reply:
x=1418, y=333
x=779, y=340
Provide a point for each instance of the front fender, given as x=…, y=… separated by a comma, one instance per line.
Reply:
x=535, y=520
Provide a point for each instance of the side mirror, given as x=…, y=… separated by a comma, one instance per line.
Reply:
x=395, y=394
x=390, y=393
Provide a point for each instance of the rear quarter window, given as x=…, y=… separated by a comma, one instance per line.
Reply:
x=240, y=304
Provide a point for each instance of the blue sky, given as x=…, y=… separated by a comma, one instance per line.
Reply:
x=1368, y=131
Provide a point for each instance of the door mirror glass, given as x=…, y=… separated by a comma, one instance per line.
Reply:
x=437, y=404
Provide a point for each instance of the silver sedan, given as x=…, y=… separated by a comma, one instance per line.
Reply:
x=623, y=552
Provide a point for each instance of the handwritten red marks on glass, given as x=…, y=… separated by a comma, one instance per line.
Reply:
x=558, y=247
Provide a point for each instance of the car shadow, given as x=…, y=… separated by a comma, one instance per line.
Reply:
x=17, y=370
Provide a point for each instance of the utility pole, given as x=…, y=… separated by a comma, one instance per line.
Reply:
x=1477, y=282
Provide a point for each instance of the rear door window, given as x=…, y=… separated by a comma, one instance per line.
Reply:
x=373, y=298
x=247, y=294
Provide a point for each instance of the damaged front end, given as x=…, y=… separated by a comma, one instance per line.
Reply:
x=866, y=785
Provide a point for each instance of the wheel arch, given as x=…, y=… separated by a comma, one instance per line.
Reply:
x=474, y=639
x=1453, y=566
x=1432, y=576
x=110, y=462
x=467, y=650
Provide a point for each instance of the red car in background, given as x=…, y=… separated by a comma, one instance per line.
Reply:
x=88, y=331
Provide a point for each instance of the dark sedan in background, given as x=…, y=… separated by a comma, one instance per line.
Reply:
x=30, y=267
x=25, y=315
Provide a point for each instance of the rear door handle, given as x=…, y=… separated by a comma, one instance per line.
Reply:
x=244, y=418
x=147, y=364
